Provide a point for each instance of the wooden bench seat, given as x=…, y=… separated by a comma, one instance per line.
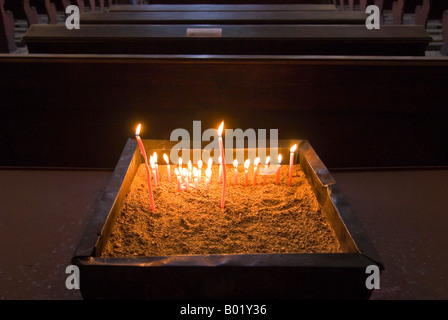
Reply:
x=221, y=7
x=211, y=17
x=240, y=40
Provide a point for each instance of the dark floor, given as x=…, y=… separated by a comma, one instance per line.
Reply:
x=44, y=213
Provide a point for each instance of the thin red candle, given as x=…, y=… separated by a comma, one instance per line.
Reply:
x=148, y=171
x=223, y=163
x=256, y=162
x=179, y=188
x=185, y=173
x=153, y=166
x=208, y=175
x=195, y=178
x=235, y=176
x=209, y=166
x=291, y=163
x=165, y=157
x=278, y=168
x=156, y=166
x=246, y=170
x=220, y=167
x=199, y=171
x=266, y=170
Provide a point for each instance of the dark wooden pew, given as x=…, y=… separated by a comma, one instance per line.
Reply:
x=78, y=111
x=221, y=7
x=421, y=13
x=261, y=17
x=228, y=1
x=444, y=49
x=397, y=11
x=229, y=39
x=7, y=43
x=31, y=13
x=51, y=11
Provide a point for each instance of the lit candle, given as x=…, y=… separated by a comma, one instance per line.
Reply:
x=189, y=171
x=165, y=157
x=235, y=177
x=156, y=166
x=209, y=166
x=256, y=162
x=179, y=188
x=278, y=168
x=220, y=169
x=266, y=170
x=223, y=163
x=246, y=170
x=291, y=162
x=208, y=176
x=148, y=172
x=195, y=175
x=152, y=162
x=199, y=171
x=185, y=174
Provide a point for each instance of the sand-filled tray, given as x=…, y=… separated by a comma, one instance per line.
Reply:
x=270, y=241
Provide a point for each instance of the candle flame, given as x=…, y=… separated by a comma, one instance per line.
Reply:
x=268, y=159
x=279, y=158
x=154, y=155
x=189, y=165
x=220, y=159
x=195, y=171
x=209, y=162
x=176, y=171
x=235, y=163
x=247, y=164
x=137, y=131
x=151, y=161
x=200, y=164
x=184, y=172
x=256, y=161
x=180, y=162
x=293, y=148
x=208, y=172
x=165, y=157
x=221, y=127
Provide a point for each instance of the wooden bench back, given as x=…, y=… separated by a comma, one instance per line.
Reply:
x=78, y=111
x=7, y=43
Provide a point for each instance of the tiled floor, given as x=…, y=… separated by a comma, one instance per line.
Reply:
x=43, y=214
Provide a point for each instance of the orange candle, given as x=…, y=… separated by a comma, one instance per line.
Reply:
x=209, y=166
x=148, y=171
x=291, y=162
x=195, y=175
x=165, y=157
x=278, y=168
x=266, y=170
x=152, y=162
x=199, y=171
x=190, y=172
x=246, y=169
x=156, y=166
x=179, y=187
x=235, y=176
x=208, y=175
x=185, y=174
x=256, y=162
